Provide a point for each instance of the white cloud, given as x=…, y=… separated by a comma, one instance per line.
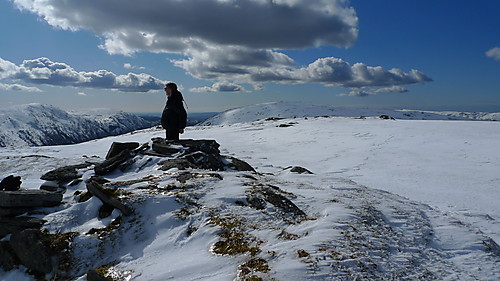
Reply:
x=494, y=53
x=46, y=72
x=169, y=25
x=228, y=40
x=82, y=94
x=19, y=87
x=220, y=87
x=371, y=92
x=130, y=66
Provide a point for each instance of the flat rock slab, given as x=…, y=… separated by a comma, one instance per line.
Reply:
x=29, y=198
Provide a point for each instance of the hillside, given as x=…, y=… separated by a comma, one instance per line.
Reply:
x=385, y=200
x=37, y=124
x=297, y=110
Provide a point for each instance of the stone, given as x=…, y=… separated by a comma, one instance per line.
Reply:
x=111, y=164
x=266, y=193
x=8, y=259
x=181, y=164
x=96, y=190
x=65, y=174
x=163, y=148
x=51, y=186
x=29, y=198
x=12, y=212
x=205, y=161
x=299, y=170
x=117, y=147
x=105, y=211
x=94, y=275
x=31, y=251
x=11, y=183
x=17, y=224
x=386, y=117
x=239, y=165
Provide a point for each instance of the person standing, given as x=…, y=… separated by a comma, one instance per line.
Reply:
x=174, y=116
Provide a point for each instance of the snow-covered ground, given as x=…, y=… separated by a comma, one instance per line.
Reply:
x=388, y=200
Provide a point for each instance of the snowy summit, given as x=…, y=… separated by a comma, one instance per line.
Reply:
x=305, y=198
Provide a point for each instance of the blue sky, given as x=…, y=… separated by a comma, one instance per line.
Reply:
x=230, y=53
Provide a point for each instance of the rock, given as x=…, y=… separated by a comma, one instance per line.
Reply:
x=105, y=211
x=65, y=174
x=31, y=251
x=205, y=161
x=17, y=224
x=117, y=147
x=8, y=260
x=97, y=191
x=29, y=198
x=207, y=146
x=266, y=193
x=299, y=170
x=181, y=164
x=93, y=275
x=51, y=186
x=11, y=183
x=163, y=148
x=12, y=212
x=386, y=117
x=239, y=165
x=111, y=164
x=184, y=177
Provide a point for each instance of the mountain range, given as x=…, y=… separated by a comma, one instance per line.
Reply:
x=38, y=124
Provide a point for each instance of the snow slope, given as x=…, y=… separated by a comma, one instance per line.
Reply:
x=296, y=109
x=388, y=200
x=37, y=124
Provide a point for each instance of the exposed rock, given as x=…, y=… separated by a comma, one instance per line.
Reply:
x=97, y=191
x=8, y=260
x=207, y=146
x=180, y=164
x=299, y=170
x=164, y=148
x=94, y=275
x=17, y=224
x=386, y=117
x=264, y=193
x=12, y=212
x=239, y=165
x=184, y=177
x=100, y=180
x=50, y=186
x=205, y=161
x=105, y=211
x=29, y=198
x=65, y=174
x=28, y=247
x=117, y=147
x=11, y=183
x=111, y=164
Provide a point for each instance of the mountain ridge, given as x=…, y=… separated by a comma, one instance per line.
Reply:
x=41, y=124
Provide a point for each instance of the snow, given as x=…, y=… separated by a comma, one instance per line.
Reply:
x=389, y=199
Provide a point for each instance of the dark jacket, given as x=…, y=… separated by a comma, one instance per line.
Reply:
x=174, y=116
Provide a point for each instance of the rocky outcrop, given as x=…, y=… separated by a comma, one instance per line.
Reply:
x=96, y=189
x=10, y=183
x=29, y=199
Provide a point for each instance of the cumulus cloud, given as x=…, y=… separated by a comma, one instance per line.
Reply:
x=171, y=25
x=241, y=41
x=19, y=88
x=220, y=87
x=371, y=92
x=130, y=66
x=494, y=53
x=46, y=72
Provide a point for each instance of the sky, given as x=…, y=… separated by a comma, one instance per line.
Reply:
x=433, y=55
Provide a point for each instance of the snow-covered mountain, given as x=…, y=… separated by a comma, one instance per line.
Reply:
x=37, y=124
x=297, y=110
